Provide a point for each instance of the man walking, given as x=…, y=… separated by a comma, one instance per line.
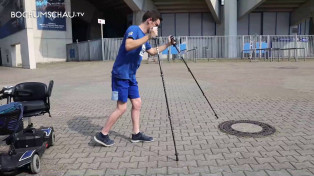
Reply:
x=124, y=84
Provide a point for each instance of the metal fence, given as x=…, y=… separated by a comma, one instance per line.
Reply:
x=206, y=47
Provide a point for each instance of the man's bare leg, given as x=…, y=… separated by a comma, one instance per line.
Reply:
x=117, y=113
x=135, y=114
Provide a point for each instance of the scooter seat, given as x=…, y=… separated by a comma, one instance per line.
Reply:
x=34, y=107
x=34, y=97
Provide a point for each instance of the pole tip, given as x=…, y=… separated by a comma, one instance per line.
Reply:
x=216, y=116
x=177, y=158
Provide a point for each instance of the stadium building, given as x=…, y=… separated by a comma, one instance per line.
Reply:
x=38, y=31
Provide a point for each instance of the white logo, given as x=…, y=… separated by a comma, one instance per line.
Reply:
x=143, y=50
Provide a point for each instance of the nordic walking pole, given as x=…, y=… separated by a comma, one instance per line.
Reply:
x=169, y=116
x=174, y=44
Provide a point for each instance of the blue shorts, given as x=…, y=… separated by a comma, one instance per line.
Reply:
x=122, y=89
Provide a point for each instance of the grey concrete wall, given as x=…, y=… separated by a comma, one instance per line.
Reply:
x=255, y=24
x=195, y=24
x=188, y=24
x=208, y=25
x=265, y=23
x=269, y=23
x=282, y=23
x=182, y=24
x=243, y=25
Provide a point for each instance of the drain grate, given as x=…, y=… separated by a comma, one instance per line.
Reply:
x=246, y=128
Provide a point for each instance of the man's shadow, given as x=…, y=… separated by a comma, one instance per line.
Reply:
x=84, y=126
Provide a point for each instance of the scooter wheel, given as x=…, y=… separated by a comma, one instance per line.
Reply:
x=35, y=164
x=53, y=139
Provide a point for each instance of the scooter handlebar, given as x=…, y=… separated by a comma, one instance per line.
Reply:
x=6, y=91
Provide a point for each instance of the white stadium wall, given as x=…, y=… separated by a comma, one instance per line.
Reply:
x=36, y=46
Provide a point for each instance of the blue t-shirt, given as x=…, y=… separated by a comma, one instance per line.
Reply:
x=127, y=62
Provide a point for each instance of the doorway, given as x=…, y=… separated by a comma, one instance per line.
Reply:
x=16, y=55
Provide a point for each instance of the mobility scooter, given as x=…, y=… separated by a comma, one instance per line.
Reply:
x=26, y=145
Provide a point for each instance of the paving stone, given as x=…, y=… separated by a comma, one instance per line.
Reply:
x=109, y=165
x=302, y=172
x=288, y=153
x=195, y=157
x=280, y=172
x=66, y=161
x=75, y=172
x=270, y=154
x=284, y=165
x=241, y=161
x=302, y=165
x=200, y=169
x=115, y=172
x=92, y=172
x=162, y=170
x=243, y=167
x=190, y=163
x=216, y=169
x=85, y=160
x=265, y=160
x=233, y=174
x=216, y=174
x=282, y=159
x=207, y=163
x=214, y=156
x=167, y=163
x=140, y=158
x=150, y=164
x=226, y=162
x=132, y=165
x=90, y=165
x=178, y=170
x=255, y=173
x=258, y=167
x=141, y=171
x=251, y=154
x=303, y=158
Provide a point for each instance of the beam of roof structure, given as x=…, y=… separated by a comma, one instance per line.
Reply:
x=181, y=6
x=140, y=5
x=304, y=11
x=279, y=5
x=135, y=5
x=213, y=6
x=246, y=6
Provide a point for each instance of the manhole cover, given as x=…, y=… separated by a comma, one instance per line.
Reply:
x=246, y=128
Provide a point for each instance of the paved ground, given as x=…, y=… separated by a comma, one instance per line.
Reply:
x=279, y=93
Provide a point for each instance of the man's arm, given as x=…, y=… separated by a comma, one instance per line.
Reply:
x=131, y=44
x=153, y=51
